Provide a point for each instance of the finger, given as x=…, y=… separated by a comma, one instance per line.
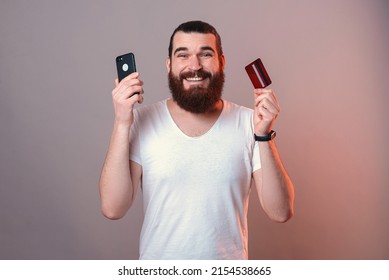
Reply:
x=128, y=88
x=258, y=99
x=125, y=80
x=261, y=91
x=135, y=98
x=267, y=109
x=140, y=98
x=265, y=114
x=266, y=101
x=267, y=96
x=263, y=96
x=128, y=92
x=271, y=108
x=133, y=75
x=130, y=82
x=270, y=105
x=264, y=92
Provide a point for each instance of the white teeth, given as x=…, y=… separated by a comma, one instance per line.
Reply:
x=194, y=79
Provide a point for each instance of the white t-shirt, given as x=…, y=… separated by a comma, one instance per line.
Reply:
x=195, y=189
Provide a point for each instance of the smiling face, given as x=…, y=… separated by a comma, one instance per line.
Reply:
x=196, y=75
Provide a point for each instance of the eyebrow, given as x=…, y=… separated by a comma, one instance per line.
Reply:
x=180, y=49
x=205, y=48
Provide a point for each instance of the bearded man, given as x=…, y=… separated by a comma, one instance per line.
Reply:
x=194, y=156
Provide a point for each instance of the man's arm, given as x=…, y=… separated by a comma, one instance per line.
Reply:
x=275, y=189
x=120, y=177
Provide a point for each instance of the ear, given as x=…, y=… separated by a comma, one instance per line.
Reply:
x=223, y=61
x=168, y=66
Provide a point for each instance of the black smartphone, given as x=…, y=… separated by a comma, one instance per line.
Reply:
x=257, y=74
x=125, y=65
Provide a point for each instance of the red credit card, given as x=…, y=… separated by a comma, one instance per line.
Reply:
x=257, y=74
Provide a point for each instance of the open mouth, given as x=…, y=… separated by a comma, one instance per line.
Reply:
x=194, y=79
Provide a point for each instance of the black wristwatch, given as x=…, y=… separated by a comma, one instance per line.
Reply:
x=268, y=137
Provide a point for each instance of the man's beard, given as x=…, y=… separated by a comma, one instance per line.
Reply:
x=197, y=99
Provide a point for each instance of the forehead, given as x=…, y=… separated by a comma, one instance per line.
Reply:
x=193, y=40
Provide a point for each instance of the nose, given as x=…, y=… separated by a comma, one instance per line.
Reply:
x=195, y=63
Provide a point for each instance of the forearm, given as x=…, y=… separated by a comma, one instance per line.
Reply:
x=275, y=188
x=116, y=190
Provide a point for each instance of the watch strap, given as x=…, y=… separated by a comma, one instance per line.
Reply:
x=265, y=138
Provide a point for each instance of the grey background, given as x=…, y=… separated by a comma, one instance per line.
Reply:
x=328, y=61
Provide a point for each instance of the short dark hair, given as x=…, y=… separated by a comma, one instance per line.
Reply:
x=197, y=26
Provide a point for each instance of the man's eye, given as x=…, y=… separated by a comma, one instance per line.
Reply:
x=207, y=55
x=182, y=55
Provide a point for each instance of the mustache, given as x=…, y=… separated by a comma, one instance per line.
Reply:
x=191, y=74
